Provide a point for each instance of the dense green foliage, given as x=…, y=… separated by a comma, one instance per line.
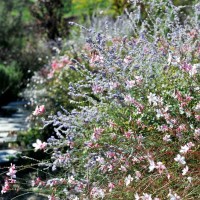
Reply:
x=10, y=78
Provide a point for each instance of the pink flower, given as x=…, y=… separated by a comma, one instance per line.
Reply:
x=96, y=134
x=112, y=124
x=36, y=182
x=131, y=100
x=110, y=168
x=12, y=171
x=167, y=138
x=6, y=187
x=96, y=59
x=52, y=197
x=186, y=67
x=39, y=110
x=50, y=74
x=56, y=65
x=122, y=168
x=186, y=148
x=138, y=175
x=128, y=60
x=160, y=167
x=39, y=145
x=97, y=193
x=97, y=89
x=128, y=134
x=181, y=128
x=111, y=186
x=197, y=117
x=130, y=84
x=114, y=85
x=111, y=154
x=65, y=60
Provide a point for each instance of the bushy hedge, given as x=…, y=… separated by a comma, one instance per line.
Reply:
x=134, y=130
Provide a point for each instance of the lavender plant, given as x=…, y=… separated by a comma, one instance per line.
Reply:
x=134, y=133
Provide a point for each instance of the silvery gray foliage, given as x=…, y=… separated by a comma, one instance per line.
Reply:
x=114, y=65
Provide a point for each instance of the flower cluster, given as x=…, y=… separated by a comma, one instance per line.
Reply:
x=9, y=181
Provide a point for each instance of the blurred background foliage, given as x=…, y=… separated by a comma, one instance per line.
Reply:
x=29, y=29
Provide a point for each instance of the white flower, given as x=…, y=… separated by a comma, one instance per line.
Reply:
x=185, y=170
x=128, y=180
x=130, y=84
x=152, y=98
x=75, y=198
x=122, y=168
x=197, y=133
x=100, y=160
x=152, y=165
x=113, y=85
x=146, y=196
x=39, y=145
x=159, y=113
x=167, y=138
x=136, y=196
x=197, y=108
x=173, y=196
x=71, y=180
x=97, y=192
x=189, y=179
x=180, y=159
x=193, y=71
x=184, y=149
x=174, y=60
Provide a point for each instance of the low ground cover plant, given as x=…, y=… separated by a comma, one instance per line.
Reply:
x=134, y=130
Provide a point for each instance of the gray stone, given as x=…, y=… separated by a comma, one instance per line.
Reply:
x=8, y=139
x=6, y=154
x=9, y=126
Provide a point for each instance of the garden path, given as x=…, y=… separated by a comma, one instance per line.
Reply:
x=12, y=119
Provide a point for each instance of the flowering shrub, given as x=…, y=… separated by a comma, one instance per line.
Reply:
x=135, y=132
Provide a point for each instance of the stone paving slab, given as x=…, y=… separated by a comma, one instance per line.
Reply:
x=5, y=154
x=9, y=120
x=17, y=103
x=10, y=127
x=3, y=134
x=8, y=139
x=19, y=115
